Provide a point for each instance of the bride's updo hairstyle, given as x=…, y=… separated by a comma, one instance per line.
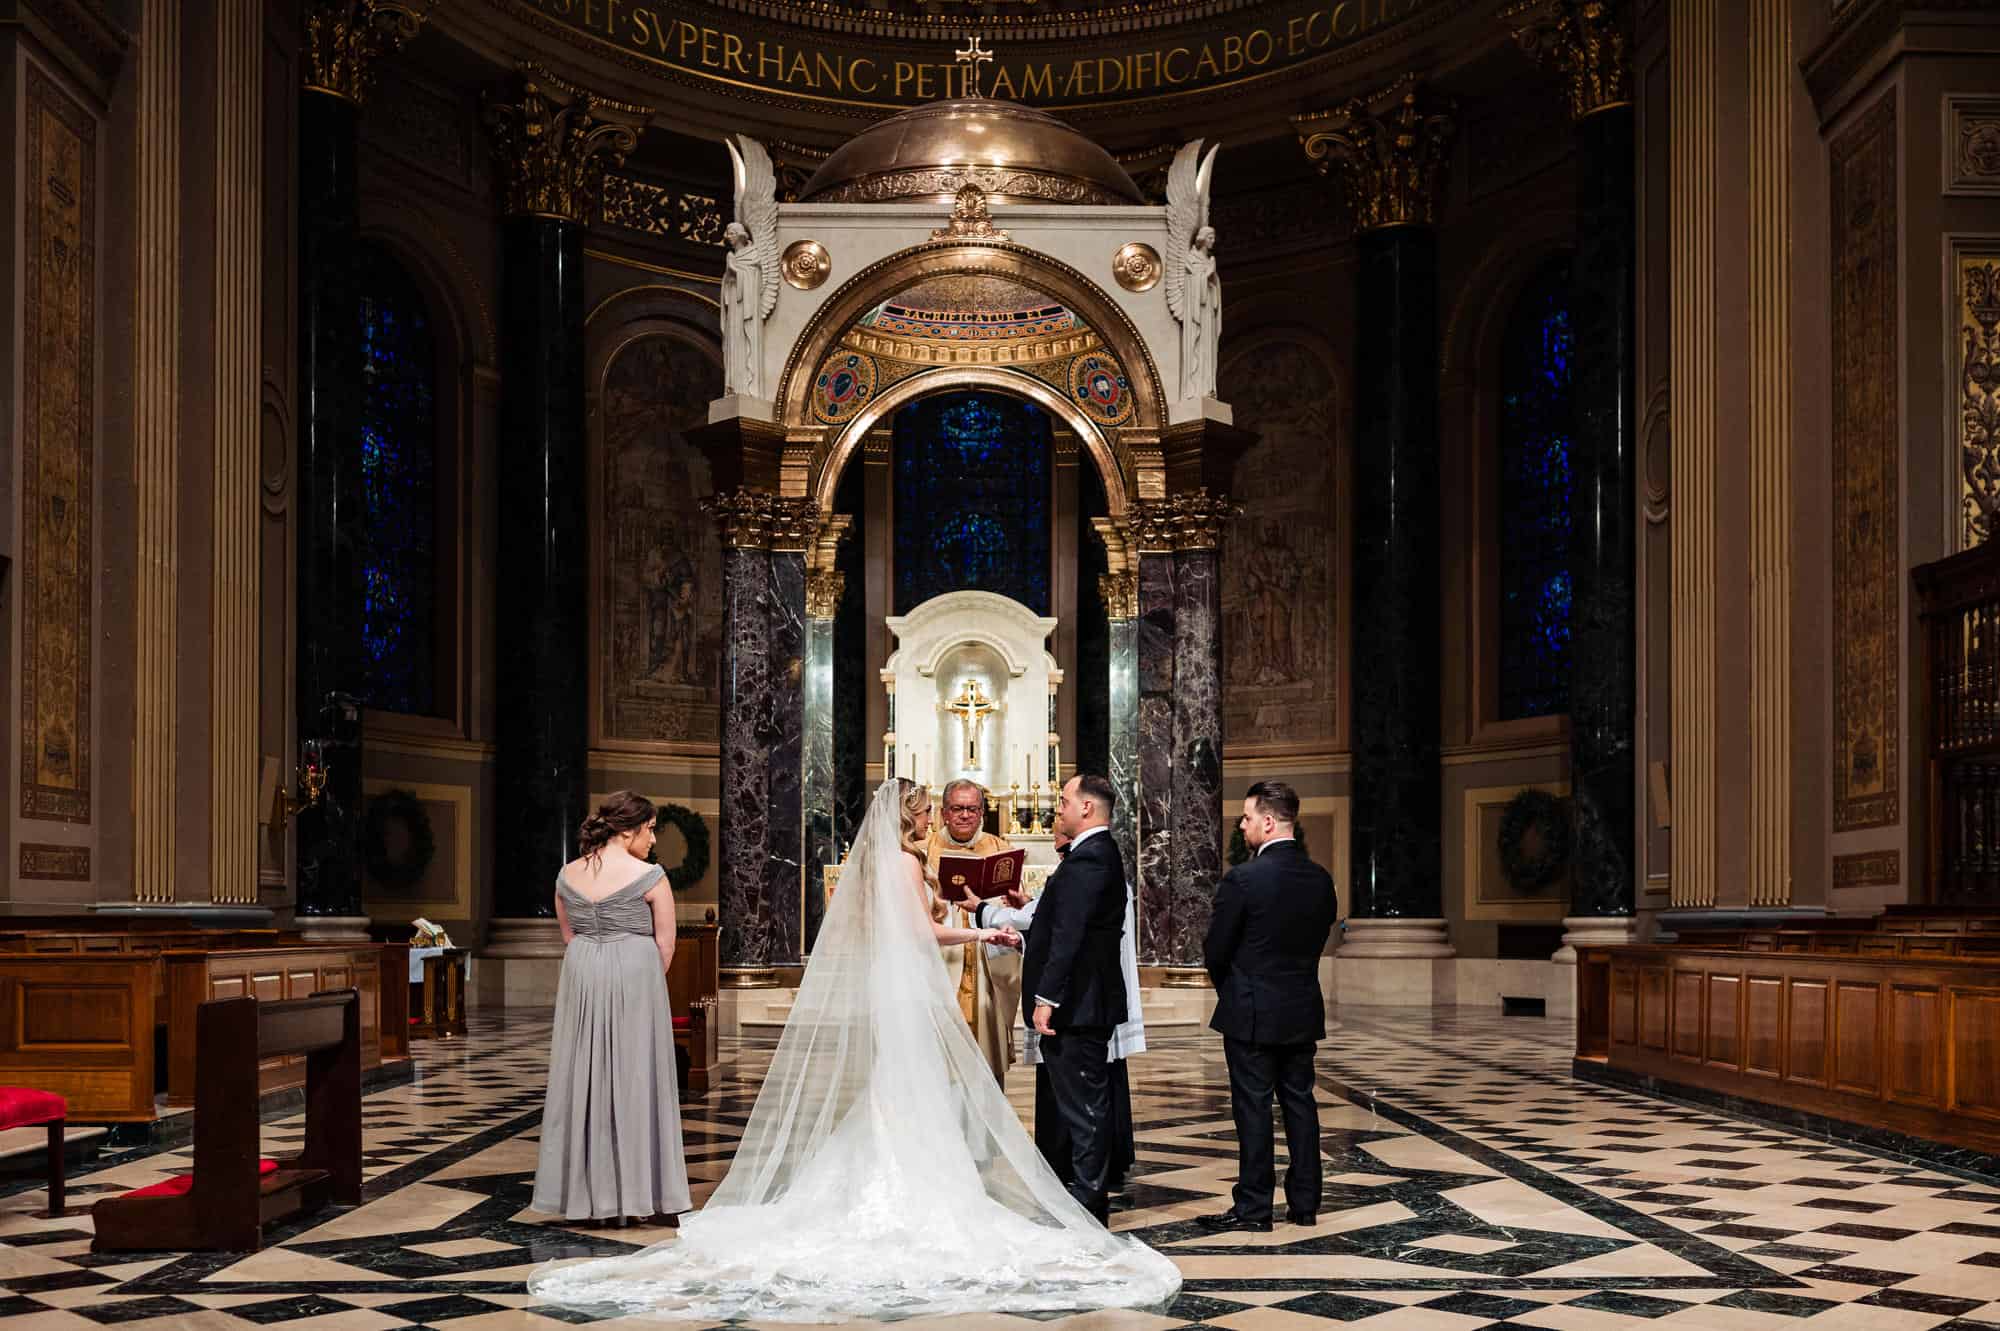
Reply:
x=912, y=800
x=622, y=811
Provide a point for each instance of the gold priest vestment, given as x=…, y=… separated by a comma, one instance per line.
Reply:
x=989, y=988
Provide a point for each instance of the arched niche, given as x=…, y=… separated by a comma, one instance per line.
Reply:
x=1063, y=284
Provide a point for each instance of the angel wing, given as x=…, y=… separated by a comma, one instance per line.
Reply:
x=1187, y=213
x=757, y=210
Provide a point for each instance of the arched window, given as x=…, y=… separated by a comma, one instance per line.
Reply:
x=1534, y=526
x=972, y=499
x=399, y=474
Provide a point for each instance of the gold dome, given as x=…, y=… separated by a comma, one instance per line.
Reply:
x=1015, y=153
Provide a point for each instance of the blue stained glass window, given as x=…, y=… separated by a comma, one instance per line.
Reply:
x=1535, y=452
x=972, y=499
x=399, y=479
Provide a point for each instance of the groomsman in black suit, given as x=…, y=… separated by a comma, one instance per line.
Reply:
x=1269, y=926
x=1072, y=986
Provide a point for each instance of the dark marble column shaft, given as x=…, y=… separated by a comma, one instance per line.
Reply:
x=784, y=750
x=1396, y=829
x=1603, y=513
x=1197, y=775
x=747, y=929
x=541, y=675
x=1154, y=634
x=1122, y=739
x=330, y=503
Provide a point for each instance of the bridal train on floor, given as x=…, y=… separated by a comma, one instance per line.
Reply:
x=882, y=1173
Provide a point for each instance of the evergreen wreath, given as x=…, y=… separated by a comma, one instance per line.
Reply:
x=398, y=808
x=1534, y=839
x=693, y=831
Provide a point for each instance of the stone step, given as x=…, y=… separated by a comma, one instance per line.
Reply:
x=762, y=1013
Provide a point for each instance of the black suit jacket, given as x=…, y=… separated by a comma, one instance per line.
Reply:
x=1265, y=936
x=1070, y=955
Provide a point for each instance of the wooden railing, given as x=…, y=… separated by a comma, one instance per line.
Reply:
x=1958, y=613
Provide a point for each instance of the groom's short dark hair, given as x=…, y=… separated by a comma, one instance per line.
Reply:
x=1098, y=790
x=1275, y=798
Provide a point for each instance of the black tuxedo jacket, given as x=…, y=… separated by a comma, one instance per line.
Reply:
x=1265, y=936
x=1070, y=955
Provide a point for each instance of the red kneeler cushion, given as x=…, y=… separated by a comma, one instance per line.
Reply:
x=180, y=1183
x=683, y=1023
x=23, y=1105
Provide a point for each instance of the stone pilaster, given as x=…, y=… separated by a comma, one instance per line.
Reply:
x=1120, y=592
x=1584, y=42
x=552, y=146
x=1388, y=155
x=156, y=374
x=345, y=42
x=237, y=398
x=1153, y=643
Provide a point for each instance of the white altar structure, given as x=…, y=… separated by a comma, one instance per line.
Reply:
x=972, y=694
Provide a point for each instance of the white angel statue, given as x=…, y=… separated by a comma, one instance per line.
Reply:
x=1194, y=292
x=750, y=273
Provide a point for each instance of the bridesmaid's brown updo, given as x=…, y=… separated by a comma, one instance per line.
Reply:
x=622, y=811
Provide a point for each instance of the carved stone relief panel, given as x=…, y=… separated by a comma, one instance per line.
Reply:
x=1975, y=275
x=1280, y=559
x=1866, y=474
x=58, y=404
x=659, y=593
x=1972, y=145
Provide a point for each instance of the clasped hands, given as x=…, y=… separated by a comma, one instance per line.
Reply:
x=1001, y=938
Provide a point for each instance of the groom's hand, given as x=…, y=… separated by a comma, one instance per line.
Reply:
x=1043, y=1012
x=1017, y=898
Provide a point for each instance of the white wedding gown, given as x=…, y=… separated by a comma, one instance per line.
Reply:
x=882, y=1173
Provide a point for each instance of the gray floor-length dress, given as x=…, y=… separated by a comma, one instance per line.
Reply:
x=611, y=1130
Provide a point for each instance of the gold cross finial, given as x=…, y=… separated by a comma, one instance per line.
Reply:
x=974, y=54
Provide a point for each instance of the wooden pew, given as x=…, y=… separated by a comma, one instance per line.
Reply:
x=1890, y=1042
x=83, y=1027
x=229, y=1198
x=194, y=978
x=694, y=981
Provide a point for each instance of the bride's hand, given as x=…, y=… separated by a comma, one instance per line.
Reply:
x=1003, y=938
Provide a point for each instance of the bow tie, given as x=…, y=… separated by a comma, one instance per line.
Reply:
x=1062, y=852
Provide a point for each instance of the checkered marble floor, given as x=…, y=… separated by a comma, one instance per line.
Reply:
x=1470, y=1183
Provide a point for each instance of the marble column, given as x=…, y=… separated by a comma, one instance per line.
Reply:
x=1153, y=643
x=1120, y=592
x=763, y=824
x=823, y=591
x=1197, y=813
x=1389, y=156
x=345, y=40
x=1585, y=44
x=552, y=153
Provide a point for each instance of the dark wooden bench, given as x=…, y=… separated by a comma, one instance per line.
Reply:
x=232, y=1194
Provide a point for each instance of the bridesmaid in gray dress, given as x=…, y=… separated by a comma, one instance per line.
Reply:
x=611, y=1130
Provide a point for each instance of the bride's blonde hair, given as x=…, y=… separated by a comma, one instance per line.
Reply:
x=912, y=800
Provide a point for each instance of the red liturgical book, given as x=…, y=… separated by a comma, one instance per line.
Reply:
x=962, y=877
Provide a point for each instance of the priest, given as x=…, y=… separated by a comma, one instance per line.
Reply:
x=989, y=985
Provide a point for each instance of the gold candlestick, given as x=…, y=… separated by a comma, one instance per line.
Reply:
x=1013, y=808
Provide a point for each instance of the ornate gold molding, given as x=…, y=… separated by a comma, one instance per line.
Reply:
x=1191, y=520
x=1121, y=594
x=823, y=591
x=347, y=39
x=1976, y=278
x=763, y=520
x=553, y=147
x=1391, y=159
x=971, y=219
x=660, y=210
x=1582, y=40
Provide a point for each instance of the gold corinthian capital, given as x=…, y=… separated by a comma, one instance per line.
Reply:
x=347, y=39
x=1388, y=150
x=1582, y=40
x=1192, y=520
x=554, y=145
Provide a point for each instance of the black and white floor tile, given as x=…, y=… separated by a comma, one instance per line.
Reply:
x=1471, y=1183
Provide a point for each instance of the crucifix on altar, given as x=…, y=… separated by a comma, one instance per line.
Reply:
x=972, y=708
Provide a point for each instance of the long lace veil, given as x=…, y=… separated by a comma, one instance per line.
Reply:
x=882, y=1172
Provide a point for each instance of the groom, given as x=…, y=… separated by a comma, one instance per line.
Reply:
x=1072, y=986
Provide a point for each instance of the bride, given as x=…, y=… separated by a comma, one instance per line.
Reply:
x=882, y=1173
